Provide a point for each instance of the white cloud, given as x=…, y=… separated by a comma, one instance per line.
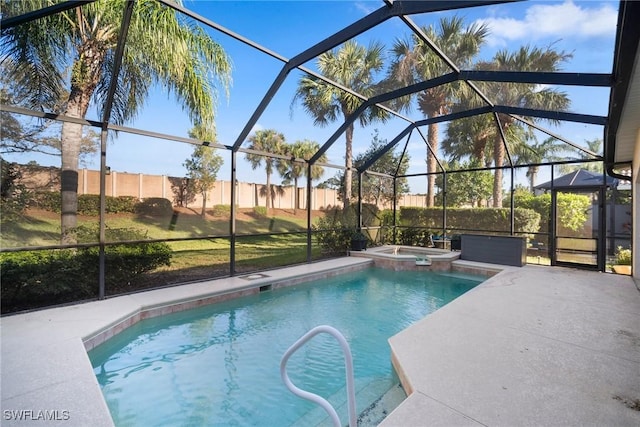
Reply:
x=555, y=20
x=367, y=7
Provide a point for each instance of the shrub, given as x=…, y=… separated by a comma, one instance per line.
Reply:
x=221, y=210
x=334, y=231
x=370, y=215
x=385, y=235
x=47, y=200
x=572, y=208
x=154, y=206
x=126, y=263
x=260, y=211
x=40, y=278
x=333, y=236
x=489, y=219
x=121, y=204
x=413, y=236
x=14, y=197
x=88, y=204
x=32, y=279
x=623, y=256
x=91, y=234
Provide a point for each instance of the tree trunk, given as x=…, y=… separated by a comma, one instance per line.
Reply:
x=348, y=164
x=268, y=192
x=86, y=73
x=432, y=139
x=70, y=138
x=204, y=204
x=296, y=196
x=533, y=172
x=498, y=153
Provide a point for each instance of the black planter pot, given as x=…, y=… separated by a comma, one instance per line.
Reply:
x=358, y=245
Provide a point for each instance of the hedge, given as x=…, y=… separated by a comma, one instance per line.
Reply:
x=88, y=204
x=487, y=219
x=32, y=279
x=333, y=232
x=154, y=206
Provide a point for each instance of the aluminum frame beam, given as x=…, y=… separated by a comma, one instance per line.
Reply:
x=552, y=115
x=397, y=8
x=503, y=137
x=388, y=96
x=42, y=13
x=626, y=51
x=556, y=136
x=106, y=116
x=593, y=79
x=418, y=31
x=516, y=166
x=386, y=148
x=550, y=78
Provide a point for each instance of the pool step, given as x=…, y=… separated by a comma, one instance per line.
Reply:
x=375, y=398
x=378, y=410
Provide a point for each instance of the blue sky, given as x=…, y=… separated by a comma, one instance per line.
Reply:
x=585, y=29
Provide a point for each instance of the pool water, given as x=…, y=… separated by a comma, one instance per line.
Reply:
x=219, y=364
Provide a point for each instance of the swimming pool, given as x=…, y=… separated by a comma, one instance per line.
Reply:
x=219, y=364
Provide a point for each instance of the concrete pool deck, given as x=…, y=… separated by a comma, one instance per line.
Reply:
x=531, y=346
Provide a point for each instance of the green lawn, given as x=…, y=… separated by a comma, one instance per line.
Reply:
x=43, y=228
x=193, y=258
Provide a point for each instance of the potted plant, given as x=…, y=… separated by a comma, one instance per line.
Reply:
x=358, y=241
x=623, y=261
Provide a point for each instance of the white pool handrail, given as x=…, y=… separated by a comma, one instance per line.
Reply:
x=348, y=363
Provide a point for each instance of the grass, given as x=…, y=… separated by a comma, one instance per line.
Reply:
x=193, y=259
x=41, y=228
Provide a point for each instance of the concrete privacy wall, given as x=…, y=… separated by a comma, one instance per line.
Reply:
x=248, y=194
x=144, y=186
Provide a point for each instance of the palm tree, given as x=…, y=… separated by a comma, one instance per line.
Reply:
x=352, y=66
x=595, y=146
x=268, y=141
x=470, y=137
x=415, y=61
x=536, y=153
x=304, y=149
x=162, y=47
x=524, y=95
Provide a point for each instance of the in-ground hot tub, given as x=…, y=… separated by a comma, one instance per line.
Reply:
x=397, y=257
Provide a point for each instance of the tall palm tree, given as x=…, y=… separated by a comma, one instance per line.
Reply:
x=415, y=61
x=470, y=137
x=353, y=66
x=268, y=141
x=73, y=52
x=521, y=94
x=304, y=149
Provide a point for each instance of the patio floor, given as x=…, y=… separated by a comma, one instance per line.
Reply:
x=530, y=346
x=535, y=346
